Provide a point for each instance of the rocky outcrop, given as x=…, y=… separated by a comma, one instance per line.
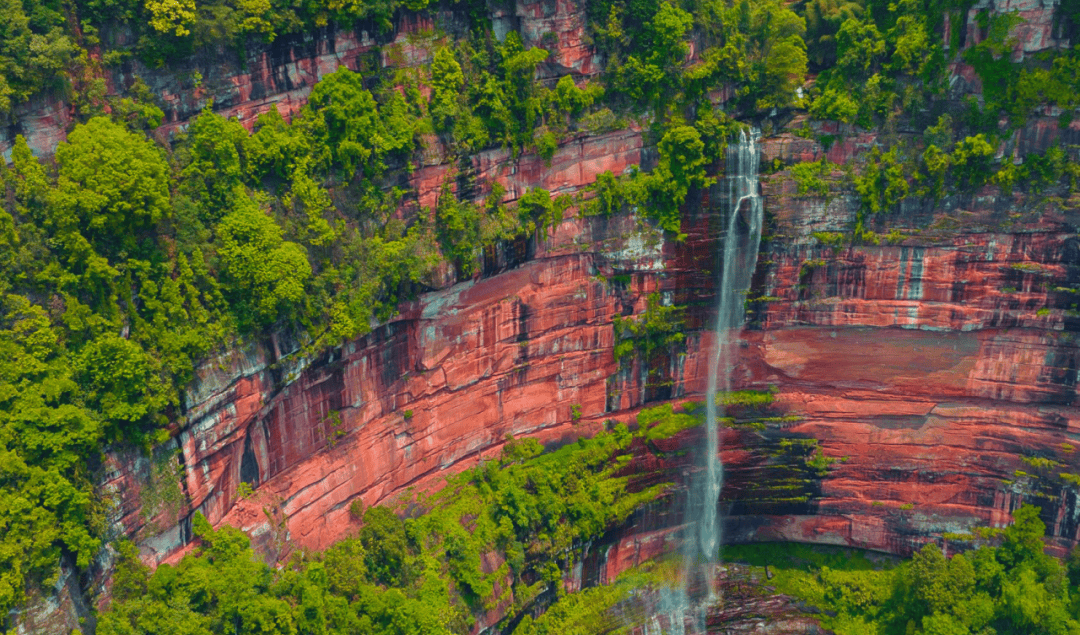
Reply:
x=57, y=609
x=43, y=121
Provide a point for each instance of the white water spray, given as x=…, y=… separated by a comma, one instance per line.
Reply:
x=742, y=236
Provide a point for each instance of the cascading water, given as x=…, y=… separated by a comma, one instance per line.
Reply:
x=742, y=236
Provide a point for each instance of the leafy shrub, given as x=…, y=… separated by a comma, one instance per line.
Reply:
x=811, y=178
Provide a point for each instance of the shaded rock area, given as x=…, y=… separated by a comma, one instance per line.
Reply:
x=749, y=605
x=746, y=603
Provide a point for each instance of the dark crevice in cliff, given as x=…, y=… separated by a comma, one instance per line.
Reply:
x=249, y=465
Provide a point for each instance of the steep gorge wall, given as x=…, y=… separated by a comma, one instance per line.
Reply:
x=904, y=359
x=926, y=369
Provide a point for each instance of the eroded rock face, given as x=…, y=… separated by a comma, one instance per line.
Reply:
x=43, y=121
x=925, y=371
x=59, y=609
x=938, y=374
x=426, y=394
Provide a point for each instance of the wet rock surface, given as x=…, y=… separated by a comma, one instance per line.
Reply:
x=750, y=605
x=745, y=604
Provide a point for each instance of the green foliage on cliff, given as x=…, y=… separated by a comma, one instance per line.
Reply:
x=36, y=49
x=1010, y=587
x=438, y=577
x=265, y=274
x=811, y=177
x=136, y=261
x=658, y=330
x=45, y=432
x=882, y=183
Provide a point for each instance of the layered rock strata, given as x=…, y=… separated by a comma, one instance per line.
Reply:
x=938, y=374
x=525, y=352
x=922, y=387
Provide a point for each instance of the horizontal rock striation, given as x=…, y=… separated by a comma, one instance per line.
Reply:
x=937, y=376
x=525, y=352
x=921, y=387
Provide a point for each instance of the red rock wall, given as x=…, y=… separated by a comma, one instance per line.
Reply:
x=928, y=369
x=931, y=367
x=428, y=393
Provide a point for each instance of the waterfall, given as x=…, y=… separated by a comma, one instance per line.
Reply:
x=743, y=211
x=739, y=259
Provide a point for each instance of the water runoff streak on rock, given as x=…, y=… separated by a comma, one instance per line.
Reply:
x=741, y=239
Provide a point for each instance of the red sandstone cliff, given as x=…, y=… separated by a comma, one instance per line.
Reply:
x=899, y=358
x=927, y=369
x=931, y=367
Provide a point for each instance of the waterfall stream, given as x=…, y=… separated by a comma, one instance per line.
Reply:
x=743, y=211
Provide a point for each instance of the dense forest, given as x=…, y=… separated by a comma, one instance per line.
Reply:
x=126, y=260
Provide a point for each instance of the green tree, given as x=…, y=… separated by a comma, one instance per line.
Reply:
x=836, y=104
x=113, y=185
x=520, y=103
x=214, y=166
x=386, y=547
x=936, y=164
x=883, y=183
x=275, y=147
x=823, y=21
x=860, y=48
x=345, y=119
x=682, y=155
x=777, y=57
x=264, y=273
x=1073, y=564
x=47, y=505
x=1031, y=607
x=122, y=382
x=681, y=168
x=971, y=160
x=35, y=50
x=572, y=100
x=30, y=183
x=346, y=569
x=943, y=624
x=457, y=224
x=173, y=17
x=447, y=82
x=1023, y=541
